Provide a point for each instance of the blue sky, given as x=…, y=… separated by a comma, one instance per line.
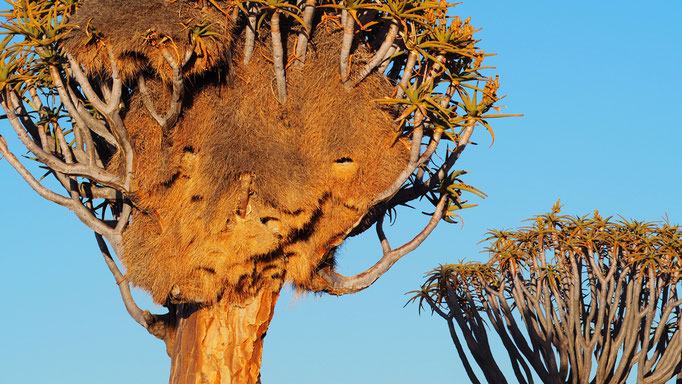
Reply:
x=599, y=84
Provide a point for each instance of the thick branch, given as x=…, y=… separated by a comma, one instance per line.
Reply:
x=346, y=45
x=475, y=336
x=341, y=285
x=82, y=80
x=380, y=55
x=250, y=38
x=304, y=35
x=73, y=204
x=175, y=105
x=407, y=74
x=452, y=156
x=114, y=97
x=458, y=345
x=93, y=123
x=278, y=58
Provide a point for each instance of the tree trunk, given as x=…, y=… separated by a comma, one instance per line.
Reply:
x=222, y=343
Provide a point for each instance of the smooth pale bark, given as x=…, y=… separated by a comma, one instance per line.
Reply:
x=222, y=343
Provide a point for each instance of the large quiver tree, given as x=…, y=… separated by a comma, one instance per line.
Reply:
x=572, y=299
x=223, y=148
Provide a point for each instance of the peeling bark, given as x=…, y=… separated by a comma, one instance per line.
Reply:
x=221, y=343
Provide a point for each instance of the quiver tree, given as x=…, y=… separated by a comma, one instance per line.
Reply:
x=223, y=148
x=572, y=299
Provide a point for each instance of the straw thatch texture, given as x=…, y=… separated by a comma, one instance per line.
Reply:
x=307, y=169
x=138, y=31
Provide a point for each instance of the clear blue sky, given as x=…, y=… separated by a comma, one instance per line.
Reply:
x=599, y=84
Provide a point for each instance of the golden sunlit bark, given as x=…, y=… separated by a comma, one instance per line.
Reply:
x=222, y=343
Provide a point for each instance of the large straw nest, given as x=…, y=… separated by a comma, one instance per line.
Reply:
x=315, y=164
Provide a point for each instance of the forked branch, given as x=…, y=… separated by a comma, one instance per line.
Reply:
x=340, y=285
x=175, y=104
x=49, y=159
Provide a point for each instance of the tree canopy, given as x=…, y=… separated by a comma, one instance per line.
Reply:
x=572, y=299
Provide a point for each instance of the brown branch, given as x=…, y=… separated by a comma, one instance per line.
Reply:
x=649, y=313
x=37, y=133
x=126, y=146
x=93, y=123
x=114, y=97
x=124, y=217
x=656, y=339
x=669, y=362
x=500, y=305
x=341, y=285
x=385, y=62
x=417, y=160
x=385, y=245
x=474, y=335
x=83, y=214
x=80, y=125
x=497, y=319
x=112, y=112
x=437, y=68
x=428, y=152
x=94, y=192
x=452, y=157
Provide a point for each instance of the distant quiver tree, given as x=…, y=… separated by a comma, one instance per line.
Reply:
x=572, y=299
x=222, y=148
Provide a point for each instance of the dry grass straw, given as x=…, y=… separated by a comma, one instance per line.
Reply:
x=138, y=31
x=315, y=164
